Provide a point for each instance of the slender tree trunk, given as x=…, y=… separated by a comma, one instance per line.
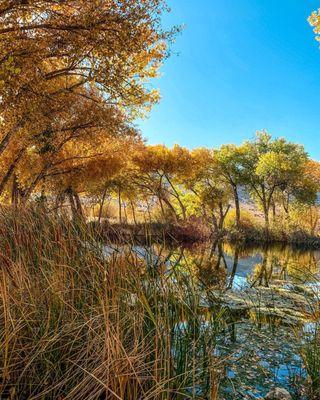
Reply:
x=125, y=212
x=182, y=207
x=266, y=217
x=102, y=204
x=223, y=215
x=234, y=267
x=265, y=206
x=177, y=196
x=79, y=207
x=237, y=204
x=213, y=248
x=286, y=202
x=220, y=249
x=60, y=198
x=10, y=171
x=149, y=213
x=214, y=221
x=27, y=193
x=273, y=210
x=226, y=213
x=133, y=213
x=167, y=202
x=162, y=209
x=75, y=203
x=119, y=205
x=4, y=142
x=72, y=204
x=220, y=215
x=14, y=191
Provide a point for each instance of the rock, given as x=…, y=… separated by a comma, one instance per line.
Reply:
x=278, y=394
x=290, y=306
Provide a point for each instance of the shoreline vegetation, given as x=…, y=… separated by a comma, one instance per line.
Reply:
x=191, y=233
x=264, y=190
x=78, y=323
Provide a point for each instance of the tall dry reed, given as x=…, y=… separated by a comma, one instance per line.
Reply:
x=75, y=324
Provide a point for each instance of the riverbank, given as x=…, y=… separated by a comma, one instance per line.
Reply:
x=195, y=231
x=258, y=235
x=185, y=232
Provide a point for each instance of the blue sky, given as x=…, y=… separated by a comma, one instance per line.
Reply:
x=242, y=65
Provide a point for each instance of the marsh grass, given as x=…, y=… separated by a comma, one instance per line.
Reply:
x=311, y=356
x=75, y=324
x=310, y=350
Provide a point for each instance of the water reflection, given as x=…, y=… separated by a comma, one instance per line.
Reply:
x=259, y=292
x=279, y=278
x=229, y=267
x=235, y=276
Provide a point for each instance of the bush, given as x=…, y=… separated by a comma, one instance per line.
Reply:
x=190, y=231
x=247, y=220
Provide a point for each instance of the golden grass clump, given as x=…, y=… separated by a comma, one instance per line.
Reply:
x=75, y=324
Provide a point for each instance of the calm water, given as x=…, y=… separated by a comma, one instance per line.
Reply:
x=261, y=345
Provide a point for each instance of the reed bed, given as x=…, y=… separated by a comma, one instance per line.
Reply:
x=75, y=324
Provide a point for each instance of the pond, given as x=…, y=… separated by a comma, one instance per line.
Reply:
x=268, y=298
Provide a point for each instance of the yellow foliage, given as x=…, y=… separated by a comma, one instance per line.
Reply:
x=247, y=219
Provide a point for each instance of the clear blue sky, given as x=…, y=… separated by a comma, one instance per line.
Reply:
x=242, y=65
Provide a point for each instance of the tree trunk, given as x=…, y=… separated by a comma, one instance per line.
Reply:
x=265, y=206
x=183, y=208
x=162, y=209
x=125, y=212
x=223, y=215
x=14, y=191
x=266, y=218
x=27, y=193
x=273, y=210
x=60, y=198
x=177, y=196
x=102, y=204
x=79, y=207
x=171, y=208
x=234, y=268
x=4, y=142
x=72, y=204
x=285, y=203
x=149, y=213
x=133, y=212
x=119, y=205
x=215, y=221
x=10, y=171
x=237, y=204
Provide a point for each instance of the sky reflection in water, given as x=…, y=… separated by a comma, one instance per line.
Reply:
x=261, y=355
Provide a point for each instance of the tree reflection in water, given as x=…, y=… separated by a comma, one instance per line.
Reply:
x=259, y=350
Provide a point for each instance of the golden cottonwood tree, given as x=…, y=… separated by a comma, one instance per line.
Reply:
x=159, y=171
x=272, y=165
x=83, y=164
x=208, y=184
x=229, y=161
x=57, y=53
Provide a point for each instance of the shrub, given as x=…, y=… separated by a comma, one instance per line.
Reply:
x=192, y=230
x=247, y=220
